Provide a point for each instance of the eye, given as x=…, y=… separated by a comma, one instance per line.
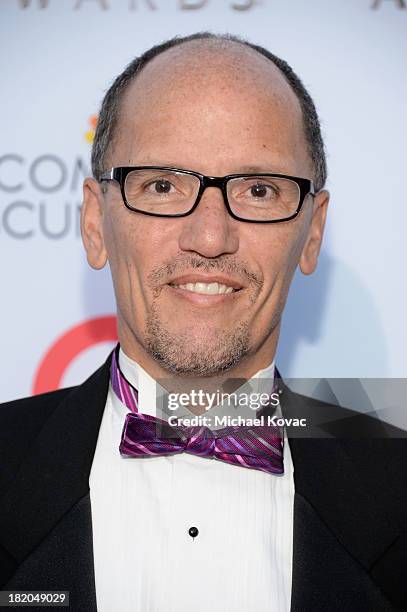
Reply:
x=159, y=186
x=258, y=190
x=261, y=191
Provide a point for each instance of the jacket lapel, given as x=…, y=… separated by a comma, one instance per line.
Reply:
x=63, y=561
x=51, y=490
x=325, y=575
x=337, y=508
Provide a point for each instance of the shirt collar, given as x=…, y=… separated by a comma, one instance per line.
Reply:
x=147, y=388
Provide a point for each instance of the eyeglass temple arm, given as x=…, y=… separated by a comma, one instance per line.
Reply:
x=107, y=176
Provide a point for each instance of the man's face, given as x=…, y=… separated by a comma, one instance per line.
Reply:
x=215, y=113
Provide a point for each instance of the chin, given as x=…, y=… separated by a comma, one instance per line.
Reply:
x=195, y=352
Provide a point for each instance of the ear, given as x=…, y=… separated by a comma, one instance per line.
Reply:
x=92, y=212
x=309, y=255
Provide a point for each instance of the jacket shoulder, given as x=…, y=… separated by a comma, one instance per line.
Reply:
x=20, y=422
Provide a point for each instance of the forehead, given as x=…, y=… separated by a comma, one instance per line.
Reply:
x=214, y=94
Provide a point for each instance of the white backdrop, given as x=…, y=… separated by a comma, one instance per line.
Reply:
x=57, y=59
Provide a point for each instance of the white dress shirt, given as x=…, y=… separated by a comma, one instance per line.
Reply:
x=142, y=510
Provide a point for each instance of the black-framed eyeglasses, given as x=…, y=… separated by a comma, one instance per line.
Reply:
x=173, y=192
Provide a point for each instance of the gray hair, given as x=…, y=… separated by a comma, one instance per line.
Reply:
x=109, y=112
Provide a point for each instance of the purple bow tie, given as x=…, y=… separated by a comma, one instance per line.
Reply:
x=257, y=447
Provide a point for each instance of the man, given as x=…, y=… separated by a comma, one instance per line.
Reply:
x=201, y=268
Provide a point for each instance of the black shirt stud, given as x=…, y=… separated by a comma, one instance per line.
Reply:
x=193, y=532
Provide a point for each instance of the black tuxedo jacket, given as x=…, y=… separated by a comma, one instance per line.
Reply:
x=350, y=545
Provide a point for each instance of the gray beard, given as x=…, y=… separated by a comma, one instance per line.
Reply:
x=176, y=355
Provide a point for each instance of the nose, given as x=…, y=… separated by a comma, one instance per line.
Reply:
x=210, y=230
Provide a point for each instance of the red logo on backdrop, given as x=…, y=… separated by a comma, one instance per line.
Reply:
x=67, y=347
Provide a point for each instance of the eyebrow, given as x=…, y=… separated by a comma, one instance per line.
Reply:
x=250, y=168
x=259, y=169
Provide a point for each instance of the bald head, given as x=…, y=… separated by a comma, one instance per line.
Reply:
x=208, y=61
x=201, y=90
x=225, y=71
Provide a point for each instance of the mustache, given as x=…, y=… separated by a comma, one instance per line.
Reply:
x=223, y=264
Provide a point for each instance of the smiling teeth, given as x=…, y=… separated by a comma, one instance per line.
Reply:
x=206, y=288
